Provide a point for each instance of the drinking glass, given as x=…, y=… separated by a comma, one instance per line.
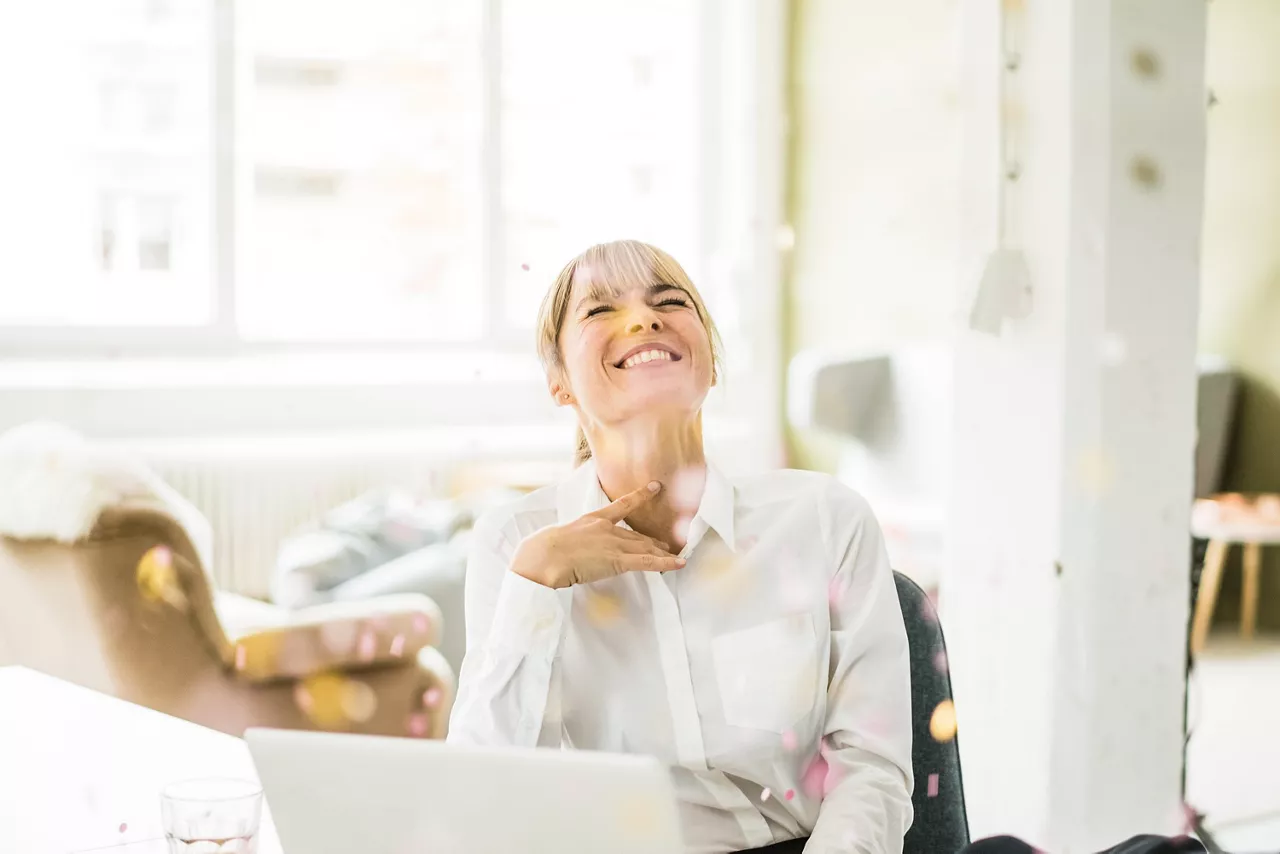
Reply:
x=214, y=815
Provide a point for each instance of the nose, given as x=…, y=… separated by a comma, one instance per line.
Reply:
x=642, y=319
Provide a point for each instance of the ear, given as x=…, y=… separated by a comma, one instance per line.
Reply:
x=559, y=393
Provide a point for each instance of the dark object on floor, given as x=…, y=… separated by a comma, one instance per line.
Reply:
x=1136, y=845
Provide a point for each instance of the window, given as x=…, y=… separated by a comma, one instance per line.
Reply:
x=275, y=172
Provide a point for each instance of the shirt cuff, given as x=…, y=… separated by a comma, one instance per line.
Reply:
x=528, y=616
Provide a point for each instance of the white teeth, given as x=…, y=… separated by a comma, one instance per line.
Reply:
x=646, y=356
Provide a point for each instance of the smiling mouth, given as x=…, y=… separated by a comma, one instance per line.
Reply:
x=645, y=357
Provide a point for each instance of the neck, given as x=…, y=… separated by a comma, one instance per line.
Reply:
x=631, y=455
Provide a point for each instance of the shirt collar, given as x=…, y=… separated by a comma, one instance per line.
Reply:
x=581, y=493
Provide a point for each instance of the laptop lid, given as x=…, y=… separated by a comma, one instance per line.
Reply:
x=341, y=794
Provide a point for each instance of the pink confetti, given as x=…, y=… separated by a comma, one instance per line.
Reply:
x=241, y=656
x=814, y=778
x=748, y=543
x=420, y=624
x=789, y=794
x=524, y=267
x=431, y=698
x=397, y=645
x=940, y=661
x=417, y=725
x=684, y=490
x=789, y=740
x=933, y=785
x=302, y=697
x=368, y=645
x=836, y=590
x=124, y=825
x=764, y=796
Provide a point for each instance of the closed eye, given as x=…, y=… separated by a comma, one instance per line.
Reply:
x=600, y=309
x=675, y=301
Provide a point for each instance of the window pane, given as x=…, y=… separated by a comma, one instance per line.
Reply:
x=358, y=130
x=600, y=135
x=110, y=176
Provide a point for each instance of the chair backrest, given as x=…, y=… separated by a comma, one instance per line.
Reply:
x=941, y=825
x=75, y=611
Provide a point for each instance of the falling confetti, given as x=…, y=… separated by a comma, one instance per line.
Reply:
x=764, y=796
x=339, y=636
x=124, y=825
x=524, y=267
x=241, y=655
x=157, y=579
x=836, y=590
x=1094, y=472
x=368, y=645
x=602, y=608
x=933, y=785
x=397, y=646
x=748, y=543
x=638, y=815
x=788, y=740
x=814, y=779
x=431, y=697
x=417, y=725
x=324, y=694
x=684, y=490
x=789, y=794
x=942, y=726
x=940, y=661
x=359, y=702
x=420, y=623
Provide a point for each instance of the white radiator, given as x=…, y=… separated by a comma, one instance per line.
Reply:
x=256, y=492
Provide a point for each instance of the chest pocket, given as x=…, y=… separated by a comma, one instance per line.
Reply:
x=768, y=674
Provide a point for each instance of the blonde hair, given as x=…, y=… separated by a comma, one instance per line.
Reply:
x=617, y=266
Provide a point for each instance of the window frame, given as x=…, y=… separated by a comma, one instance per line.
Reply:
x=754, y=59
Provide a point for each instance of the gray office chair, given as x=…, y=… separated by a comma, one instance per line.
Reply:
x=941, y=825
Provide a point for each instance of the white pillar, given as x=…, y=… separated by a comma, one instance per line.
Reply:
x=1066, y=594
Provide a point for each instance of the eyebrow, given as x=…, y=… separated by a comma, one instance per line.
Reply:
x=603, y=293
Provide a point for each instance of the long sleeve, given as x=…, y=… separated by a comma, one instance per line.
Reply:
x=509, y=688
x=867, y=806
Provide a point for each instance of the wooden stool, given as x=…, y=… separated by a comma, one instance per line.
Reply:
x=1251, y=521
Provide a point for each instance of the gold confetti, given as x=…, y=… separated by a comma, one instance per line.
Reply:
x=1094, y=472
x=359, y=701
x=638, y=815
x=942, y=726
x=602, y=608
x=157, y=579
x=321, y=698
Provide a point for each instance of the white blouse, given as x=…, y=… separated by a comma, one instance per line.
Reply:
x=770, y=672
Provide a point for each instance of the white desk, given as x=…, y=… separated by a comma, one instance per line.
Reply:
x=76, y=766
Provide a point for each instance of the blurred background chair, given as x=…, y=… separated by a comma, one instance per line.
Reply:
x=131, y=612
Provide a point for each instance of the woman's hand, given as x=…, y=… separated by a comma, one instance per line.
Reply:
x=593, y=547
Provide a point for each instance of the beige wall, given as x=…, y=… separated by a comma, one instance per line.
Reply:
x=1240, y=303
x=874, y=177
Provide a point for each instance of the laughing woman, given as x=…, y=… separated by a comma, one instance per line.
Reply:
x=746, y=632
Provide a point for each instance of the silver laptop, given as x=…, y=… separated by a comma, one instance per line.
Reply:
x=343, y=794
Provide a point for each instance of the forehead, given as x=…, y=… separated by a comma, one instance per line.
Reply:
x=601, y=282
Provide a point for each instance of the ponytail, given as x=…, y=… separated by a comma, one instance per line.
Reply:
x=582, y=452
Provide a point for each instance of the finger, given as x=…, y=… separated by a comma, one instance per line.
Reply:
x=636, y=537
x=640, y=547
x=649, y=563
x=623, y=507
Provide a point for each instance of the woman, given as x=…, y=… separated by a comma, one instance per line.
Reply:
x=747, y=632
